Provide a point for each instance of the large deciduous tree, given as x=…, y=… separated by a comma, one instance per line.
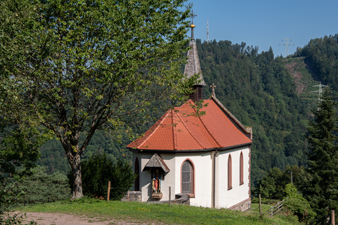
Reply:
x=76, y=66
x=322, y=179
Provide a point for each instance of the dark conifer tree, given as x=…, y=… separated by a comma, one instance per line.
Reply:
x=322, y=181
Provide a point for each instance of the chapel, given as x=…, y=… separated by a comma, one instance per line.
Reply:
x=207, y=157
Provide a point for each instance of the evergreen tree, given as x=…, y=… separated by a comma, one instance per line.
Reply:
x=322, y=180
x=40, y=187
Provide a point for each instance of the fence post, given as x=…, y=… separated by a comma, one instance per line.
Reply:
x=333, y=221
x=128, y=195
x=108, y=195
x=271, y=209
x=260, y=205
x=169, y=196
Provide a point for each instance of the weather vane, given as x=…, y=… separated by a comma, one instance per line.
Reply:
x=192, y=16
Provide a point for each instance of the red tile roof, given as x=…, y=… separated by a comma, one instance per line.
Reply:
x=181, y=129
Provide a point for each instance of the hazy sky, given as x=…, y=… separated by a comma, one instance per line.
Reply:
x=265, y=23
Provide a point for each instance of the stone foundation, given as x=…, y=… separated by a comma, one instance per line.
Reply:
x=242, y=206
x=132, y=196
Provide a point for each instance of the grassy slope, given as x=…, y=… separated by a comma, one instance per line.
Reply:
x=143, y=212
x=303, y=77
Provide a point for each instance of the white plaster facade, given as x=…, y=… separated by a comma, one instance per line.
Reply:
x=208, y=192
x=240, y=192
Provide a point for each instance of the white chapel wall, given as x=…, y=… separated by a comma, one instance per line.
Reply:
x=203, y=177
x=169, y=179
x=238, y=193
x=145, y=176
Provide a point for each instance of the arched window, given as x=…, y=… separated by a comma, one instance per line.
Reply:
x=187, y=178
x=229, y=173
x=241, y=169
x=137, y=172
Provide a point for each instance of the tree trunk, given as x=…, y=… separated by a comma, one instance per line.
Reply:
x=77, y=179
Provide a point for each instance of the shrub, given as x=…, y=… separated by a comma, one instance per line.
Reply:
x=98, y=170
x=298, y=205
x=40, y=187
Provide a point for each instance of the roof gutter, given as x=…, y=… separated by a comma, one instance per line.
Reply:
x=189, y=151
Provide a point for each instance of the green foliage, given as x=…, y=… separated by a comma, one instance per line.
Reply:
x=291, y=191
x=261, y=93
x=269, y=186
x=298, y=205
x=257, y=89
x=18, y=149
x=40, y=187
x=76, y=67
x=320, y=184
x=54, y=159
x=98, y=169
x=322, y=56
x=272, y=185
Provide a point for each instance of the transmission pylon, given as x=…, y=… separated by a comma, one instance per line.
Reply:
x=208, y=30
x=287, y=44
x=320, y=90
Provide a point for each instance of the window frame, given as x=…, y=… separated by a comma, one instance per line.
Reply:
x=229, y=172
x=241, y=169
x=192, y=176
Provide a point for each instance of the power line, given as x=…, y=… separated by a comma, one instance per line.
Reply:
x=320, y=90
x=208, y=30
x=287, y=44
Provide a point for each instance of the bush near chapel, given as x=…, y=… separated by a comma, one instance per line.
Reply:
x=298, y=205
x=98, y=170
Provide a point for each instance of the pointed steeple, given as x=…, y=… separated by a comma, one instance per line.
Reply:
x=193, y=67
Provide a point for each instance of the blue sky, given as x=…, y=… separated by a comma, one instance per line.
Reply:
x=265, y=23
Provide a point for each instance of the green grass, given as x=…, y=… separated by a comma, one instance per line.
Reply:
x=143, y=212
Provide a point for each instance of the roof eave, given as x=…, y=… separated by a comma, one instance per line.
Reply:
x=191, y=150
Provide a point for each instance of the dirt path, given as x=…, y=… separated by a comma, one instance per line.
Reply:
x=69, y=219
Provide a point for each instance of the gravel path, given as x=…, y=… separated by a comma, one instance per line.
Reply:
x=69, y=219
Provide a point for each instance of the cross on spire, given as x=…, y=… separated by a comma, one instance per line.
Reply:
x=213, y=89
x=192, y=16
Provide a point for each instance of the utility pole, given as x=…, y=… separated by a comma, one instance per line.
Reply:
x=320, y=90
x=286, y=45
x=208, y=30
x=291, y=178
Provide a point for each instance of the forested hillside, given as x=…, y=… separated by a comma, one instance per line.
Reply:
x=54, y=159
x=321, y=54
x=256, y=88
x=261, y=93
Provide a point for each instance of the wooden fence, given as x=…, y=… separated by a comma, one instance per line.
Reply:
x=274, y=209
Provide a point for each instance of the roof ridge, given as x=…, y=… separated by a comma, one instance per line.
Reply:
x=162, y=119
x=230, y=114
x=186, y=127
x=173, y=130
x=207, y=129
